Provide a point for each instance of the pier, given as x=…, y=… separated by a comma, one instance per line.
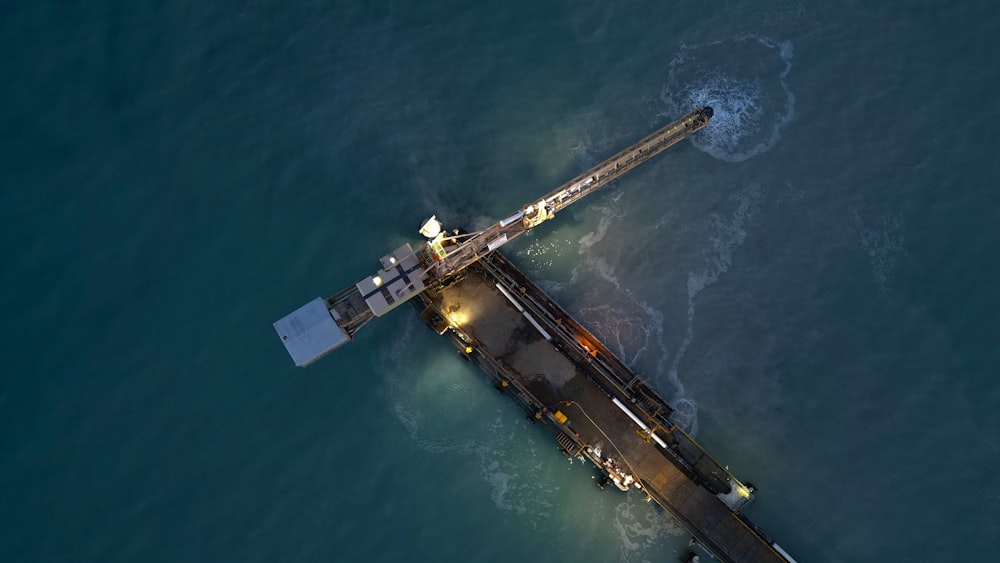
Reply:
x=566, y=380
x=534, y=352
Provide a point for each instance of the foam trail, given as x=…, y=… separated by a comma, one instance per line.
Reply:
x=443, y=411
x=589, y=19
x=640, y=535
x=590, y=239
x=685, y=415
x=727, y=237
x=629, y=336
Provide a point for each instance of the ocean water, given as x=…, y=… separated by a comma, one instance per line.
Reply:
x=812, y=280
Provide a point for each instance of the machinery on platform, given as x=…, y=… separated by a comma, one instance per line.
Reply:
x=534, y=352
x=322, y=325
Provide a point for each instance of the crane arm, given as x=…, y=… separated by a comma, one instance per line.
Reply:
x=533, y=214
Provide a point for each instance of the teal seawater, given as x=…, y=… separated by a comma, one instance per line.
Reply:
x=812, y=281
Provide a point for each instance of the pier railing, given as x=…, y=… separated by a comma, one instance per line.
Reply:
x=608, y=373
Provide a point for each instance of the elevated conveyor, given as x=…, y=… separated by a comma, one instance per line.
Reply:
x=407, y=272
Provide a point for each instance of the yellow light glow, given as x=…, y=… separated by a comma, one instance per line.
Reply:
x=377, y=280
x=460, y=317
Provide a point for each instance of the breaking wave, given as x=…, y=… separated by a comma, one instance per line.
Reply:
x=743, y=79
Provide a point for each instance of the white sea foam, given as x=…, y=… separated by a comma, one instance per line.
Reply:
x=628, y=335
x=590, y=239
x=883, y=245
x=728, y=234
x=641, y=529
x=685, y=415
x=743, y=79
x=446, y=412
x=632, y=328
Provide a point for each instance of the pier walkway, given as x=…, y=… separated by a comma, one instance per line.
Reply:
x=595, y=406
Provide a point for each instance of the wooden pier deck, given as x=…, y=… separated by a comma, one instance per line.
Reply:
x=568, y=381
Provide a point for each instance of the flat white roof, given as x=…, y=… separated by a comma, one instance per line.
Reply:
x=401, y=279
x=310, y=332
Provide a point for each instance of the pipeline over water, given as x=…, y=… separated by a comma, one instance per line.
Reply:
x=482, y=243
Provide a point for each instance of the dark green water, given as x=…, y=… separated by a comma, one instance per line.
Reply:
x=812, y=280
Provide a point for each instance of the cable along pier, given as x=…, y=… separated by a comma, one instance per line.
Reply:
x=545, y=361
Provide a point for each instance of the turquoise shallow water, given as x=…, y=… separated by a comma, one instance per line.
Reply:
x=811, y=281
